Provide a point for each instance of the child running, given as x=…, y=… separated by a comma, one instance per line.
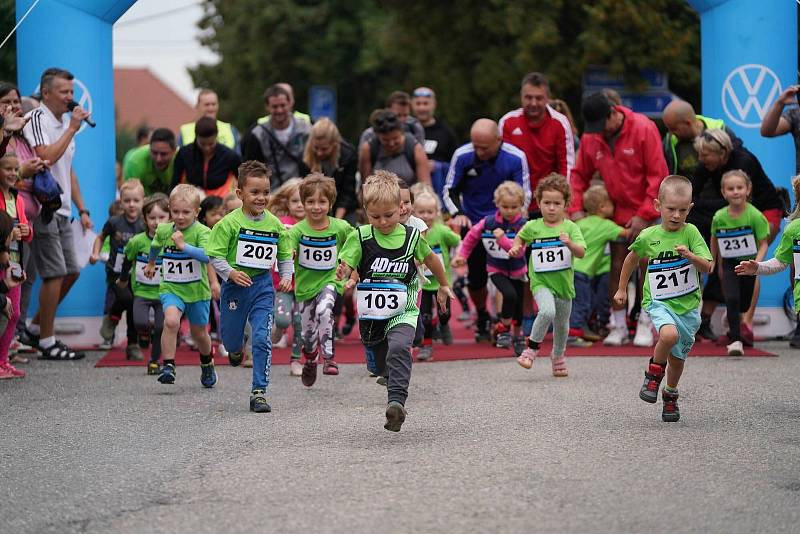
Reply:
x=144, y=289
x=554, y=241
x=184, y=281
x=244, y=247
x=507, y=273
x=120, y=229
x=676, y=255
x=787, y=253
x=383, y=253
x=441, y=239
x=738, y=232
x=593, y=269
x=212, y=210
x=285, y=203
x=316, y=241
x=16, y=230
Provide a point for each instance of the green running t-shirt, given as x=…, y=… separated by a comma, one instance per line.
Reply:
x=182, y=276
x=597, y=232
x=441, y=239
x=550, y=265
x=788, y=252
x=137, y=251
x=738, y=238
x=316, y=256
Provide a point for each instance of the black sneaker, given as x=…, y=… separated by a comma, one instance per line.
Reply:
x=167, y=375
x=395, y=416
x=705, y=331
x=144, y=341
x=382, y=381
x=670, y=413
x=235, y=358
x=26, y=337
x=60, y=352
x=447, y=334
x=258, y=403
x=652, y=380
x=483, y=326
x=208, y=375
x=794, y=342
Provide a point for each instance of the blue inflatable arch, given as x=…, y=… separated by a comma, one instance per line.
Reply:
x=749, y=53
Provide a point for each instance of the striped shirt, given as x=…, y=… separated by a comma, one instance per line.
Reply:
x=45, y=129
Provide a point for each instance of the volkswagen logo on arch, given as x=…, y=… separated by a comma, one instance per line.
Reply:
x=747, y=93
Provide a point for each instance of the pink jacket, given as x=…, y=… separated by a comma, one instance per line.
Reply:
x=473, y=239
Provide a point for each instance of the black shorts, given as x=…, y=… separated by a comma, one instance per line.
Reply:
x=477, y=275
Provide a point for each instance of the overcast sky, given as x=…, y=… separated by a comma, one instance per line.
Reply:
x=162, y=36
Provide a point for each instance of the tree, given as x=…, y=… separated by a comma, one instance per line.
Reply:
x=8, y=54
x=472, y=53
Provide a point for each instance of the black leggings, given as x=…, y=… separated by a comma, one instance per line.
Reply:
x=511, y=289
x=426, y=312
x=738, y=291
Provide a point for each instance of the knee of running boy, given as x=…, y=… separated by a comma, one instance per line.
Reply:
x=172, y=321
x=668, y=334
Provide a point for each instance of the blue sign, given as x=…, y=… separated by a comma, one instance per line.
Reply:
x=596, y=78
x=650, y=104
x=322, y=102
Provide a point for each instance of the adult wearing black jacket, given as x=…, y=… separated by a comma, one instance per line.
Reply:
x=718, y=155
x=328, y=153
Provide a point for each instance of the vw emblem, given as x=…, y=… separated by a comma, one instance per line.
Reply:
x=748, y=91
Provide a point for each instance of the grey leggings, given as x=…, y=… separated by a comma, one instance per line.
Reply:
x=553, y=310
x=317, y=322
x=393, y=360
x=141, y=321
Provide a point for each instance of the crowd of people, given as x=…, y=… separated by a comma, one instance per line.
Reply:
x=290, y=235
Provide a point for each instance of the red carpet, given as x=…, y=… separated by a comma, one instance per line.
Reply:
x=350, y=350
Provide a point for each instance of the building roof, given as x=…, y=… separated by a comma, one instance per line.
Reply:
x=142, y=98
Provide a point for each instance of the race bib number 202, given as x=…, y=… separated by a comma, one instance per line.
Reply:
x=257, y=250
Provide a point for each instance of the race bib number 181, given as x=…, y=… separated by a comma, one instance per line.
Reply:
x=550, y=254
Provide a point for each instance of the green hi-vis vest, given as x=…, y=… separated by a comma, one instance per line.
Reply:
x=224, y=134
x=299, y=115
x=671, y=141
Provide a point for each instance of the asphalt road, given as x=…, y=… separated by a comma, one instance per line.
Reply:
x=487, y=447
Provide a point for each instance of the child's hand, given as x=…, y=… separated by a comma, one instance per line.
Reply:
x=458, y=261
x=684, y=251
x=343, y=271
x=746, y=268
x=443, y=296
x=498, y=233
x=13, y=282
x=16, y=234
x=514, y=251
x=94, y=258
x=620, y=297
x=177, y=237
x=215, y=290
x=24, y=230
x=240, y=279
x=150, y=270
x=564, y=237
x=285, y=285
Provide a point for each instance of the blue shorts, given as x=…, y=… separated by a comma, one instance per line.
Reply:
x=687, y=325
x=196, y=312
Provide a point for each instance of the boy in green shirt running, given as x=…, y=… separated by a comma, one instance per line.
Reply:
x=184, y=285
x=316, y=241
x=384, y=253
x=243, y=248
x=145, y=290
x=676, y=254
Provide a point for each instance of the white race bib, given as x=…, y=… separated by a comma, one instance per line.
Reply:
x=550, y=254
x=736, y=242
x=671, y=277
x=438, y=251
x=381, y=300
x=317, y=253
x=119, y=257
x=181, y=270
x=141, y=263
x=796, y=257
x=256, y=250
x=492, y=247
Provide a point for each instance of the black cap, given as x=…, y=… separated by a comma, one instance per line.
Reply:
x=595, y=108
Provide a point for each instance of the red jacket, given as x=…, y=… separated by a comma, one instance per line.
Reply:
x=20, y=203
x=632, y=173
x=549, y=146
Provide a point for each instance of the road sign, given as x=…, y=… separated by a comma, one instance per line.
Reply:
x=596, y=78
x=651, y=104
x=322, y=102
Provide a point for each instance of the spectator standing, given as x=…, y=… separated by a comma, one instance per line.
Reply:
x=440, y=141
x=298, y=115
x=327, y=153
x=206, y=163
x=780, y=121
x=399, y=103
x=542, y=133
x=477, y=169
x=208, y=106
x=394, y=150
x=625, y=148
x=152, y=164
x=280, y=141
x=51, y=133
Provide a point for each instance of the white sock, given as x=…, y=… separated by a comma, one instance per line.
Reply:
x=620, y=320
x=47, y=342
x=34, y=329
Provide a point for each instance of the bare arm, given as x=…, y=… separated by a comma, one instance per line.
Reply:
x=364, y=162
x=56, y=150
x=423, y=170
x=77, y=199
x=773, y=123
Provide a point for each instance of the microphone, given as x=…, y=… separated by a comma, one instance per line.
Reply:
x=88, y=120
